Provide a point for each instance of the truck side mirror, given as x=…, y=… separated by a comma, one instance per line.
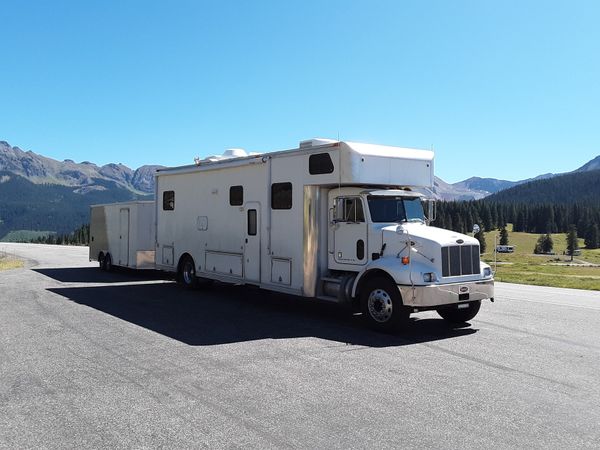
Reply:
x=431, y=210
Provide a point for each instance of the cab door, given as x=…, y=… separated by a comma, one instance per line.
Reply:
x=349, y=231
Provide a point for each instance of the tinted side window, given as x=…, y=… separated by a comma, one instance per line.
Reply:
x=252, y=222
x=236, y=195
x=349, y=209
x=281, y=196
x=168, y=200
x=320, y=163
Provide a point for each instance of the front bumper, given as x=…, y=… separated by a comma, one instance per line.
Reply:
x=446, y=294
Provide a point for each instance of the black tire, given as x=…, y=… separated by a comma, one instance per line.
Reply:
x=101, y=261
x=108, y=266
x=381, y=305
x=186, y=274
x=454, y=315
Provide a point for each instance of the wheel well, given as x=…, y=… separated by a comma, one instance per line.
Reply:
x=369, y=275
x=182, y=258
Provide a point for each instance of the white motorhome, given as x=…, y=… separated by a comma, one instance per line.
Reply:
x=123, y=234
x=338, y=221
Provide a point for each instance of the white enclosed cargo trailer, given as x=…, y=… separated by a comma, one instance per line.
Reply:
x=123, y=234
x=339, y=221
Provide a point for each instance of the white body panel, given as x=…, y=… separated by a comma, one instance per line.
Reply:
x=125, y=231
x=296, y=246
x=279, y=256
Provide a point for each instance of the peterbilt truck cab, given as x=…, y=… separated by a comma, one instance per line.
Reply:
x=396, y=263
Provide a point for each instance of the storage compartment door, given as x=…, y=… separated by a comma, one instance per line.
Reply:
x=224, y=263
x=281, y=270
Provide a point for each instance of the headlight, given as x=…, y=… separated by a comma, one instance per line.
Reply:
x=487, y=272
x=429, y=277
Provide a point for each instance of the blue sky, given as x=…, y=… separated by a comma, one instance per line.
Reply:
x=499, y=89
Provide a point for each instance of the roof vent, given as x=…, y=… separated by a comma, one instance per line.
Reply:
x=316, y=142
x=234, y=153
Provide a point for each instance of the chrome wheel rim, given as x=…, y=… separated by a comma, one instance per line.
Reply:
x=380, y=305
x=188, y=272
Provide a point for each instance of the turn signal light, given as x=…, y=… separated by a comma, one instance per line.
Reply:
x=405, y=260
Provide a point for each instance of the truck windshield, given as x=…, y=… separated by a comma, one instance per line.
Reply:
x=395, y=209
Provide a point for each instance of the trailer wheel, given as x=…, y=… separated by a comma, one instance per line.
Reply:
x=108, y=263
x=454, y=315
x=186, y=275
x=101, y=261
x=381, y=305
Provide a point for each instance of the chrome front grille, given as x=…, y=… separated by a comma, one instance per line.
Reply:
x=460, y=260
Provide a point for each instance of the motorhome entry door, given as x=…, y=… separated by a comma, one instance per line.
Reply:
x=124, y=237
x=252, y=242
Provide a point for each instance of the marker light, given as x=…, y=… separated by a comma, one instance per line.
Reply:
x=405, y=260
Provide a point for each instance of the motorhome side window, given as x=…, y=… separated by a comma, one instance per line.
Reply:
x=349, y=209
x=320, y=163
x=281, y=196
x=168, y=200
x=252, y=222
x=236, y=195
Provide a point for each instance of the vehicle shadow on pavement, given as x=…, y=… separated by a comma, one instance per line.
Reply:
x=226, y=314
x=95, y=275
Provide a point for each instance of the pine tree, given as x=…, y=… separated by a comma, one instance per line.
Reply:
x=592, y=240
x=544, y=244
x=486, y=217
x=503, y=236
x=548, y=244
x=572, y=244
x=480, y=236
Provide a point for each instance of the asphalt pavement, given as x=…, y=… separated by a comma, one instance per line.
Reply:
x=90, y=359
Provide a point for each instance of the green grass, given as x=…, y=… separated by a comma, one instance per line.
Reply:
x=524, y=267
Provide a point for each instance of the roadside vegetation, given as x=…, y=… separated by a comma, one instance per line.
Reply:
x=8, y=261
x=81, y=236
x=557, y=270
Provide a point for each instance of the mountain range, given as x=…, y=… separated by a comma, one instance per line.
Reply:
x=41, y=193
x=83, y=176
x=475, y=188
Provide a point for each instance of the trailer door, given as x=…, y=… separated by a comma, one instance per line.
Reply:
x=124, y=237
x=252, y=242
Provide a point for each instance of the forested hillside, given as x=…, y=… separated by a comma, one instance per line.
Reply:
x=51, y=207
x=541, y=206
x=577, y=187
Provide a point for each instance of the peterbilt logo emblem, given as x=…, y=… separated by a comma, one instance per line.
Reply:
x=460, y=241
x=464, y=289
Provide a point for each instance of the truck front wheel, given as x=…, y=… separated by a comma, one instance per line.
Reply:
x=381, y=305
x=454, y=315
